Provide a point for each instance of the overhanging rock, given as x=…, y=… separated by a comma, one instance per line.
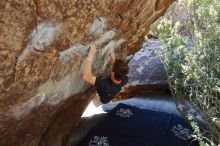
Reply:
x=42, y=49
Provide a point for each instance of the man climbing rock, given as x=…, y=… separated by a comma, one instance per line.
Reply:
x=108, y=87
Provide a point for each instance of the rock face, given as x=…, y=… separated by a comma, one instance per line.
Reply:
x=147, y=75
x=146, y=66
x=43, y=45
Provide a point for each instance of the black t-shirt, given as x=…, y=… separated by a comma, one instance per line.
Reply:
x=107, y=89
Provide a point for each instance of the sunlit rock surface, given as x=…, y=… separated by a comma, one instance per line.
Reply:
x=146, y=66
x=43, y=45
x=147, y=75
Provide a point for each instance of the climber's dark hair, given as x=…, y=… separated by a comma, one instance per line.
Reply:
x=120, y=68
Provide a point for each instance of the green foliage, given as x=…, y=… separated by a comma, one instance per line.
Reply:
x=195, y=73
x=174, y=45
x=203, y=141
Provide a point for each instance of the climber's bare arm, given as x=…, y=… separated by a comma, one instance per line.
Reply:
x=87, y=71
x=112, y=57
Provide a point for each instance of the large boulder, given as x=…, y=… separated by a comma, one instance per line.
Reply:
x=43, y=45
x=146, y=66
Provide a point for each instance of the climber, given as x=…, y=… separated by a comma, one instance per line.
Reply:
x=108, y=87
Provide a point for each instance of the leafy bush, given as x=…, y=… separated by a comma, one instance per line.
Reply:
x=195, y=73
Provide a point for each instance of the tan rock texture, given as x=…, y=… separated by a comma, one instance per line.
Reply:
x=43, y=45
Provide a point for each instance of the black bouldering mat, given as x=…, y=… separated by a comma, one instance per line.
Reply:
x=130, y=126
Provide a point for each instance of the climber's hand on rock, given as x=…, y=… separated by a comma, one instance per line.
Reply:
x=112, y=57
